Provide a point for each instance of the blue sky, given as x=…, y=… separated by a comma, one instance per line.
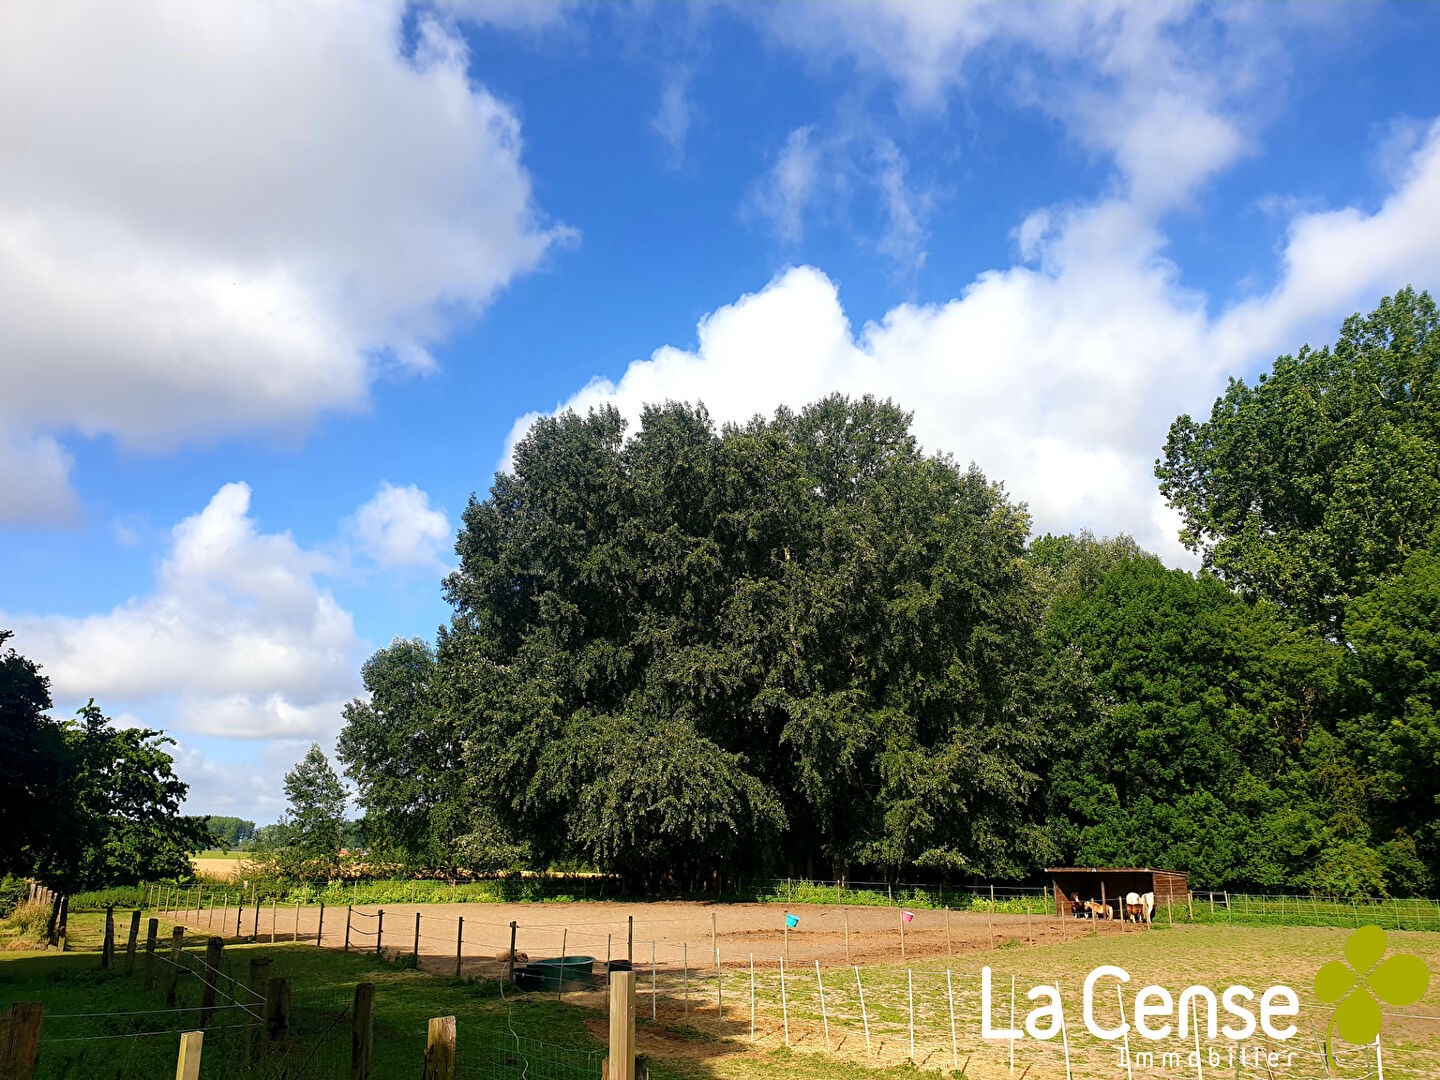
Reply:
x=281, y=283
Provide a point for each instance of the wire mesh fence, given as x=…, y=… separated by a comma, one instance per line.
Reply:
x=195, y=986
x=518, y=1057
x=891, y=1015
x=1258, y=909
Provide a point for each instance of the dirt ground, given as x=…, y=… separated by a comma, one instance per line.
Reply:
x=908, y=1002
x=674, y=934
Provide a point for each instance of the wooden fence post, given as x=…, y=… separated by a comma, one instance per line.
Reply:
x=187, y=1066
x=621, y=1065
x=131, y=942
x=277, y=1012
x=152, y=931
x=22, y=1043
x=107, y=950
x=440, y=1049
x=259, y=977
x=362, y=1031
x=213, y=949
x=177, y=945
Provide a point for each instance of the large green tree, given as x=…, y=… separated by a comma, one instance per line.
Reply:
x=231, y=832
x=314, y=826
x=1393, y=674
x=1203, y=734
x=402, y=748
x=794, y=639
x=115, y=813
x=31, y=758
x=1317, y=482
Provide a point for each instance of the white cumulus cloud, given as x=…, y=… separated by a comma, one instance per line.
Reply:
x=1059, y=379
x=223, y=217
x=398, y=528
x=238, y=637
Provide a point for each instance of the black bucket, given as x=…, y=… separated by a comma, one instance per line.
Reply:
x=618, y=965
x=528, y=980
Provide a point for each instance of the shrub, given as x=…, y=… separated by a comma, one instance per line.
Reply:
x=13, y=891
x=30, y=920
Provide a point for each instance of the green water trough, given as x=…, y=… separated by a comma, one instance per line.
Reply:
x=553, y=973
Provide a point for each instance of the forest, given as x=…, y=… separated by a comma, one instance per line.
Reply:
x=803, y=645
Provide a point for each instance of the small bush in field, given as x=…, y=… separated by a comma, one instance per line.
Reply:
x=13, y=891
x=29, y=920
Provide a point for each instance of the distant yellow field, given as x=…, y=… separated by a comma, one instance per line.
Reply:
x=214, y=869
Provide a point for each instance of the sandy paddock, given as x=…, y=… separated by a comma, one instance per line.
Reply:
x=682, y=933
x=680, y=989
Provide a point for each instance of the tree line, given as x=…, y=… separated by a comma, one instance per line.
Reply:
x=803, y=645
x=85, y=804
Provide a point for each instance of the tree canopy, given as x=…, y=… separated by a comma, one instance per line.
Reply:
x=230, y=832
x=85, y=804
x=804, y=645
x=313, y=831
x=1319, y=481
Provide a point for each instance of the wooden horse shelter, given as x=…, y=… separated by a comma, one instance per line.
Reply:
x=1108, y=885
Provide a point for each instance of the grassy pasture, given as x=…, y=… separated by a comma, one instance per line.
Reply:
x=694, y=1038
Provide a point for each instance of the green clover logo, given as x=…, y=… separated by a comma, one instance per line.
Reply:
x=1360, y=985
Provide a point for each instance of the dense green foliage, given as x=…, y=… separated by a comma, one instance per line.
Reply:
x=692, y=648
x=1318, y=482
x=230, y=833
x=116, y=817
x=308, y=840
x=31, y=754
x=801, y=644
x=13, y=891
x=85, y=804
